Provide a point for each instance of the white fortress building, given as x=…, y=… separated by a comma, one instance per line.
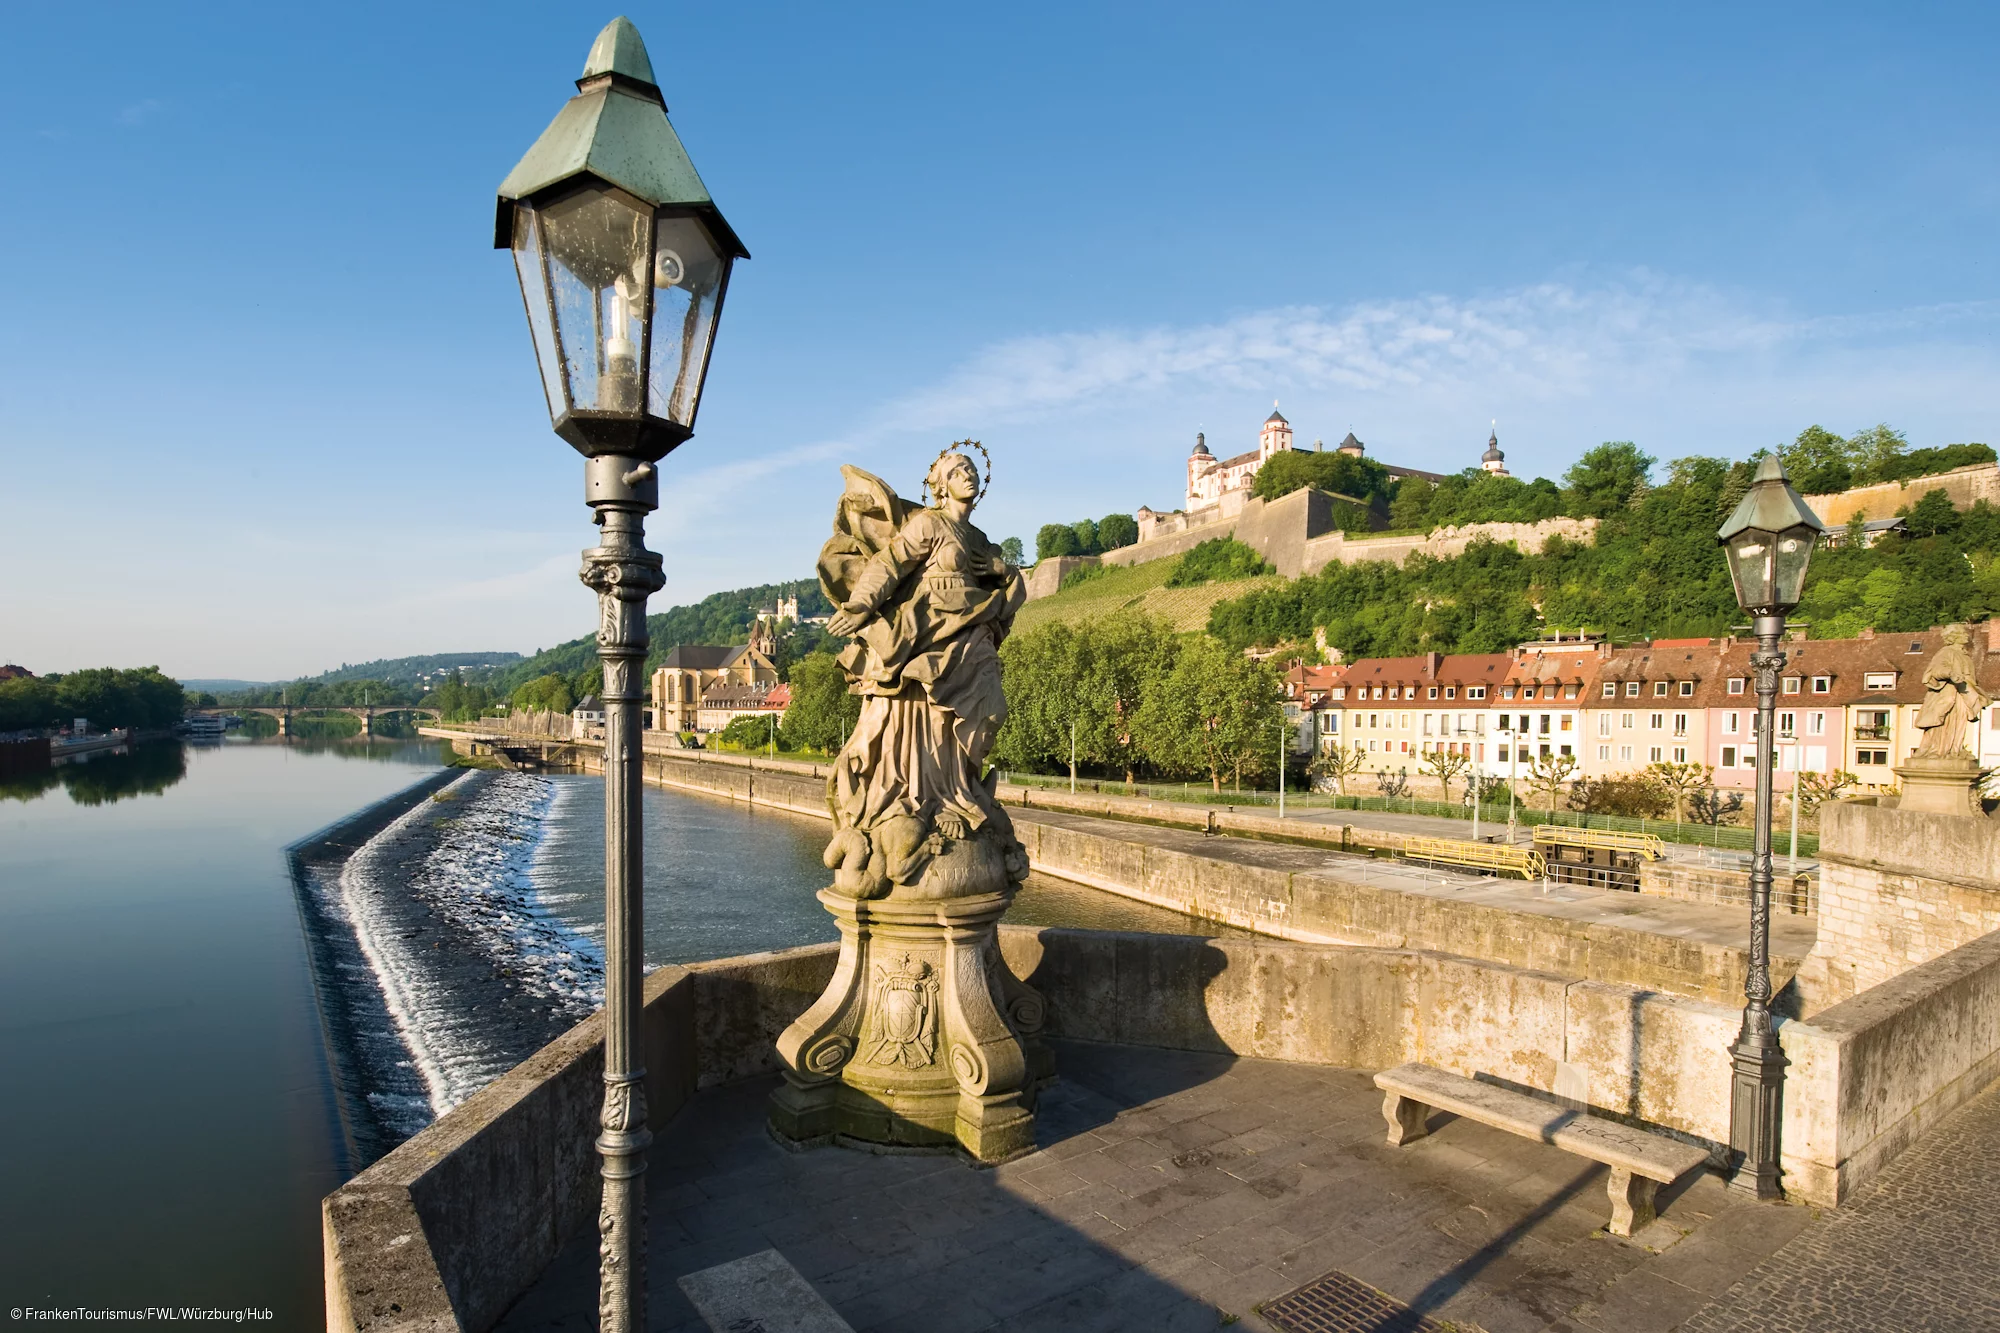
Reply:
x=1226, y=482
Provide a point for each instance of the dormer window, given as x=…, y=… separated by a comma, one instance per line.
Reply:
x=1506, y=691
x=1687, y=689
x=1791, y=685
x=1879, y=680
x=1569, y=691
x=1631, y=689
x=1736, y=684
x=1451, y=691
x=1433, y=692
x=1659, y=689
x=1611, y=689
x=1528, y=693
x=1479, y=692
x=1340, y=691
x=1822, y=684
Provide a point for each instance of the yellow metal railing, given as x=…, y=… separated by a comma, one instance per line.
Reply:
x=1649, y=845
x=1526, y=862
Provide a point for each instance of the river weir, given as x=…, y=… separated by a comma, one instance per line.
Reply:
x=457, y=927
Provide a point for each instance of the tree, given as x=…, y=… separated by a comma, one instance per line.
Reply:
x=1336, y=473
x=1336, y=761
x=1011, y=552
x=1818, y=461
x=1815, y=789
x=1547, y=773
x=822, y=712
x=1086, y=536
x=544, y=694
x=1056, y=539
x=1678, y=781
x=1445, y=766
x=28, y=703
x=748, y=732
x=1409, y=511
x=1119, y=655
x=1602, y=481
x=110, y=697
x=1393, y=786
x=1709, y=806
x=1210, y=714
x=1634, y=795
x=1116, y=530
x=1878, y=454
x=1932, y=515
x=1218, y=560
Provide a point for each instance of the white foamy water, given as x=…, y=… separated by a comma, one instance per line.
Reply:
x=478, y=878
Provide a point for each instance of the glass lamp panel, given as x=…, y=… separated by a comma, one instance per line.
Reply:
x=598, y=256
x=1750, y=567
x=535, y=293
x=688, y=272
x=1794, y=551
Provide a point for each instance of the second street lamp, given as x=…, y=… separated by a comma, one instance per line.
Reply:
x=624, y=262
x=1768, y=541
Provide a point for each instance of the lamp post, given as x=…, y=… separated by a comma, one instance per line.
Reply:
x=1768, y=542
x=624, y=261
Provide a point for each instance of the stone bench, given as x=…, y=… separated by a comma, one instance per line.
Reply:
x=1640, y=1161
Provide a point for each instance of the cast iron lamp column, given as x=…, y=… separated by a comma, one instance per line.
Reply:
x=624, y=261
x=1768, y=541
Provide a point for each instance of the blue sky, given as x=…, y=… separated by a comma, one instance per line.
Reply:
x=269, y=402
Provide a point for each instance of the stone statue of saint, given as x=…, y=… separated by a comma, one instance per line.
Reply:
x=1953, y=701
x=924, y=1039
x=928, y=600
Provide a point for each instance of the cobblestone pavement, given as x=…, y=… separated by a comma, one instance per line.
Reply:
x=1176, y=1191
x=1908, y=1255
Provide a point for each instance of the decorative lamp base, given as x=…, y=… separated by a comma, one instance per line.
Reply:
x=1940, y=785
x=922, y=1042
x=1756, y=1113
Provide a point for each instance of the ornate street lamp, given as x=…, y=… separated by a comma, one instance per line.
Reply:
x=1768, y=541
x=624, y=261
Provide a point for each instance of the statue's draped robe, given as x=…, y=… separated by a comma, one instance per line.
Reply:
x=1952, y=704
x=928, y=671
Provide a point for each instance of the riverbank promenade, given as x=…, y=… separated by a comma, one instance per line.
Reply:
x=1181, y=1191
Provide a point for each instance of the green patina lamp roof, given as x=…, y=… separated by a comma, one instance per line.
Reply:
x=1770, y=508
x=616, y=130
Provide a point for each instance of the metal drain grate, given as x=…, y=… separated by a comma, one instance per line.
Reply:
x=1338, y=1303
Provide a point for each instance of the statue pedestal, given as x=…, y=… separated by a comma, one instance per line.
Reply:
x=923, y=1041
x=1940, y=785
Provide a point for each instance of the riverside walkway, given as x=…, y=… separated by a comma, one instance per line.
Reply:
x=1181, y=1191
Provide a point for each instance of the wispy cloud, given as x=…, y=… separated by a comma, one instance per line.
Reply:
x=1548, y=341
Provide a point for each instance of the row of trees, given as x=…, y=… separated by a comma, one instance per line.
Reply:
x=1821, y=462
x=821, y=715
x=1083, y=537
x=1125, y=694
x=138, y=697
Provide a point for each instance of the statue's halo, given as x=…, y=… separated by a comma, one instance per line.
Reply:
x=959, y=447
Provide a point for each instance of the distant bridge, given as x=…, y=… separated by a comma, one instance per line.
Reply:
x=283, y=712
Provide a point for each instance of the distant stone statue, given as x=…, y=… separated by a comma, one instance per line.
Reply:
x=924, y=1039
x=929, y=600
x=1953, y=701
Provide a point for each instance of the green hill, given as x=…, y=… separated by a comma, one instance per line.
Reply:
x=414, y=670
x=721, y=618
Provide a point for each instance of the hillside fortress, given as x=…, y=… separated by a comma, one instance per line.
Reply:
x=1223, y=484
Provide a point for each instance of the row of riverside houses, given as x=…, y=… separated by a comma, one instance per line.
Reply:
x=1842, y=704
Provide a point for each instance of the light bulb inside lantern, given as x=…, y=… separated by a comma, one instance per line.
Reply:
x=668, y=269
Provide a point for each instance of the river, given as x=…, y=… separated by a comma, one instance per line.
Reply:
x=170, y=1103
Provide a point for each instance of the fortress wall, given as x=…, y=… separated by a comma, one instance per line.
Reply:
x=1966, y=486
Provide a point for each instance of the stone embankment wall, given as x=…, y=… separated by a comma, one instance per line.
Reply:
x=1966, y=486
x=1296, y=533
x=1898, y=888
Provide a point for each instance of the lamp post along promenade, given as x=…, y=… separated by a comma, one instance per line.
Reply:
x=1768, y=541
x=624, y=261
